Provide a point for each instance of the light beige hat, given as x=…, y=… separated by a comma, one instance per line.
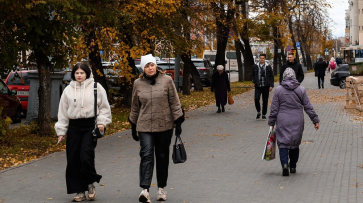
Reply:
x=220, y=67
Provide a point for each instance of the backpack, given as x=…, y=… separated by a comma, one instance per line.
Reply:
x=332, y=65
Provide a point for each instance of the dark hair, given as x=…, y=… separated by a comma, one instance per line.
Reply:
x=320, y=59
x=82, y=66
x=291, y=54
x=263, y=55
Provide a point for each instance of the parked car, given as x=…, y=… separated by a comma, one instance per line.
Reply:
x=19, y=81
x=168, y=67
x=10, y=104
x=339, y=74
x=205, y=70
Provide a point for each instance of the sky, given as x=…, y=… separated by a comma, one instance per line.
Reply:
x=337, y=15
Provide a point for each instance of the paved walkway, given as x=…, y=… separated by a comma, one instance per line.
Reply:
x=224, y=161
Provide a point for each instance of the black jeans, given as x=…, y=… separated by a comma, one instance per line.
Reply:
x=158, y=142
x=80, y=156
x=285, y=154
x=265, y=93
x=320, y=80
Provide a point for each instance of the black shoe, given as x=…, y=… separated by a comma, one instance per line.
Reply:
x=219, y=110
x=258, y=116
x=263, y=117
x=292, y=170
x=285, y=170
x=322, y=86
x=223, y=109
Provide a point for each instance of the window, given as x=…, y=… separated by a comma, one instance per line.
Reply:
x=231, y=55
x=210, y=57
x=3, y=88
x=18, y=79
x=198, y=63
x=358, y=53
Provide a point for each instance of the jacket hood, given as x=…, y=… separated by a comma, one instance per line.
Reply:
x=290, y=83
x=81, y=86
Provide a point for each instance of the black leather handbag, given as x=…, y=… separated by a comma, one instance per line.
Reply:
x=179, y=153
x=96, y=132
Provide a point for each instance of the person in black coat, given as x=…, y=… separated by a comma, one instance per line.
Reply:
x=263, y=78
x=296, y=66
x=220, y=85
x=319, y=69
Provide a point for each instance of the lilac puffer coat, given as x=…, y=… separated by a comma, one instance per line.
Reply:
x=287, y=113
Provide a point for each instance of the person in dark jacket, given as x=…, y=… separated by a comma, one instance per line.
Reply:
x=319, y=69
x=288, y=103
x=220, y=85
x=263, y=78
x=296, y=66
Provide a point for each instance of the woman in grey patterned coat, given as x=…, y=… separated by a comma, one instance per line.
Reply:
x=155, y=111
x=288, y=103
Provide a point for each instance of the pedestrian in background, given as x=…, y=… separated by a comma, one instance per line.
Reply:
x=76, y=120
x=295, y=65
x=155, y=111
x=220, y=86
x=263, y=78
x=288, y=103
x=332, y=65
x=320, y=68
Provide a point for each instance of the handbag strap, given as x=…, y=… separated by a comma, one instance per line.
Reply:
x=298, y=97
x=178, y=138
x=95, y=103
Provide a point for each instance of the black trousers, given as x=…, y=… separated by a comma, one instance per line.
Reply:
x=285, y=154
x=80, y=156
x=265, y=93
x=158, y=143
x=320, y=80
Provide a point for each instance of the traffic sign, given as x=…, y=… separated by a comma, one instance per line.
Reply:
x=288, y=48
x=298, y=45
x=326, y=50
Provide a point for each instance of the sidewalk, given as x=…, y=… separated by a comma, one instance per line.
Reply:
x=224, y=160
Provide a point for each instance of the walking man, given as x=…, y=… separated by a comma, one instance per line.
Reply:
x=296, y=66
x=263, y=78
x=319, y=69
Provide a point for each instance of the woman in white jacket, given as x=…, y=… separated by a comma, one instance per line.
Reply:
x=76, y=120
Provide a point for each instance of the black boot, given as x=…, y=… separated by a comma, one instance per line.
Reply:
x=219, y=109
x=285, y=170
x=322, y=86
x=223, y=109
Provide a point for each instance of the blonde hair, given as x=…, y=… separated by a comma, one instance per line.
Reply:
x=332, y=59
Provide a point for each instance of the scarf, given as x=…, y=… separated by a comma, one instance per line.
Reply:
x=152, y=78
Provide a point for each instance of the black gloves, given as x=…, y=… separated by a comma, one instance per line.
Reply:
x=134, y=132
x=178, y=122
x=178, y=129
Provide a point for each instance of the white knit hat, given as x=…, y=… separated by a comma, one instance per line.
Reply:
x=147, y=59
x=220, y=67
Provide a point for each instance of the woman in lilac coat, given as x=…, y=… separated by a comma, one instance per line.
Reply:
x=288, y=103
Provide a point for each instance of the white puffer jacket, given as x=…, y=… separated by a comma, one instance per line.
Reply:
x=77, y=102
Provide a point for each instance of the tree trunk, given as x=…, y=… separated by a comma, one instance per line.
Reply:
x=44, y=92
x=293, y=37
x=248, y=58
x=95, y=61
x=186, y=73
x=239, y=60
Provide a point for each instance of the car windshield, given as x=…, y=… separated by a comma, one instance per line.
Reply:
x=166, y=66
x=198, y=64
x=137, y=62
x=18, y=79
x=210, y=57
x=231, y=55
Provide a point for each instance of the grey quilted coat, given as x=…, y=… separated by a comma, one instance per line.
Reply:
x=287, y=113
x=154, y=108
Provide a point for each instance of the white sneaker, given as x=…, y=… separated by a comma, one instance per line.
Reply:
x=91, y=192
x=79, y=197
x=161, y=194
x=144, y=196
